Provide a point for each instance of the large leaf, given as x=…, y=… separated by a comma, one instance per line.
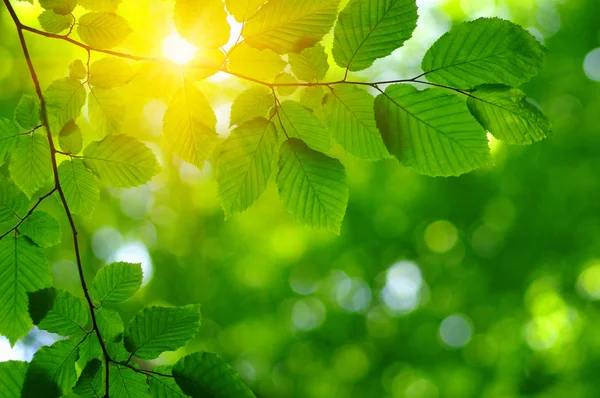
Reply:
x=245, y=164
x=505, y=112
x=110, y=72
x=157, y=329
x=55, y=23
x=64, y=100
x=116, y=282
x=106, y=111
x=121, y=161
x=58, y=311
x=250, y=104
x=487, y=50
x=189, y=126
x=431, y=131
x=102, y=29
x=30, y=165
x=27, y=113
x=91, y=383
x=242, y=10
x=41, y=228
x=204, y=25
x=311, y=64
x=290, y=25
x=12, y=377
x=52, y=371
x=164, y=386
x=312, y=186
x=9, y=138
x=253, y=63
x=204, y=374
x=126, y=383
x=349, y=115
x=371, y=29
x=300, y=122
x=13, y=203
x=79, y=186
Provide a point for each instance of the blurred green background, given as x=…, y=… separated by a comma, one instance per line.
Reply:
x=485, y=285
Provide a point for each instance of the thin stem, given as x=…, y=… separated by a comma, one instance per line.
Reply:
x=29, y=213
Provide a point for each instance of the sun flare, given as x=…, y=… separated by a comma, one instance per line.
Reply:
x=178, y=50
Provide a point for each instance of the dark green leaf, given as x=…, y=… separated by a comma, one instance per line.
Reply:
x=91, y=383
x=12, y=377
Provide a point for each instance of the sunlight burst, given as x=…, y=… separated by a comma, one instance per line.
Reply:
x=178, y=50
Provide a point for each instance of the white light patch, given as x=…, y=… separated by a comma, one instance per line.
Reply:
x=178, y=50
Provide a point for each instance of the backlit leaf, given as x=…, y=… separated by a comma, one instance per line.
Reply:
x=12, y=378
x=242, y=10
x=100, y=5
x=300, y=122
x=116, y=282
x=55, y=23
x=58, y=311
x=91, y=383
x=252, y=103
x=27, y=113
x=13, y=203
x=204, y=25
x=102, y=29
x=30, y=165
x=9, y=138
x=285, y=79
x=64, y=100
x=41, y=228
x=62, y=7
x=257, y=64
x=77, y=70
x=106, y=111
x=125, y=383
x=311, y=64
x=110, y=72
x=70, y=138
x=79, y=186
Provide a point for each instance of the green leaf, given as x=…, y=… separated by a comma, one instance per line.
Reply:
x=58, y=311
x=106, y=111
x=285, y=78
x=242, y=10
x=64, y=100
x=110, y=72
x=157, y=329
x=79, y=186
x=312, y=186
x=100, y=5
x=55, y=23
x=190, y=126
x=52, y=371
x=126, y=383
x=9, y=138
x=506, y=113
x=12, y=378
x=204, y=26
x=102, y=29
x=163, y=386
x=77, y=70
x=290, y=25
x=89, y=349
x=245, y=164
x=300, y=122
x=256, y=64
x=116, y=282
x=91, y=382
x=367, y=30
x=431, y=131
x=121, y=161
x=487, y=50
x=27, y=113
x=349, y=114
x=41, y=228
x=13, y=203
x=62, y=7
x=70, y=138
x=110, y=324
x=250, y=104
x=204, y=374
x=311, y=64
x=31, y=166
x=117, y=351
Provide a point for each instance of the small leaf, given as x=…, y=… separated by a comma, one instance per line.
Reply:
x=121, y=161
x=245, y=164
x=204, y=374
x=189, y=126
x=116, y=282
x=300, y=122
x=70, y=138
x=102, y=29
x=62, y=7
x=106, y=111
x=487, y=50
x=13, y=203
x=257, y=64
x=91, y=382
x=55, y=23
x=505, y=112
x=286, y=26
x=154, y=330
x=52, y=372
x=41, y=228
x=349, y=114
x=100, y=5
x=58, y=311
x=79, y=186
x=110, y=72
x=311, y=64
x=31, y=166
x=312, y=186
x=77, y=70
x=12, y=378
x=9, y=138
x=252, y=103
x=27, y=113
x=163, y=386
x=64, y=100
x=204, y=26
x=110, y=324
x=431, y=131
x=367, y=30
x=242, y=10
x=285, y=78
x=125, y=383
